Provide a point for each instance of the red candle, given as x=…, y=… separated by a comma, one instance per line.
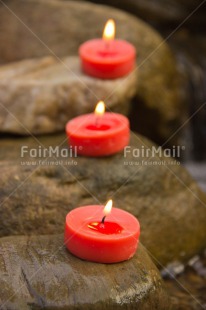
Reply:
x=110, y=240
x=99, y=133
x=107, y=58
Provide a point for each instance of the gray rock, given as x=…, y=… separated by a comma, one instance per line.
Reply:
x=39, y=273
x=66, y=24
x=36, y=196
x=39, y=96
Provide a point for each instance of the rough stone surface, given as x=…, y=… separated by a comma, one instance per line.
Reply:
x=35, y=198
x=39, y=273
x=39, y=96
x=69, y=23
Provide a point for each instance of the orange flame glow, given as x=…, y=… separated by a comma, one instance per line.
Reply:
x=108, y=208
x=100, y=108
x=109, y=30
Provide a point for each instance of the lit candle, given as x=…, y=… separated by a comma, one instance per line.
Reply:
x=107, y=58
x=98, y=133
x=101, y=234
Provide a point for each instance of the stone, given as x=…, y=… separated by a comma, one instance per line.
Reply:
x=36, y=193
x=39, y=96
x=38, y=272
x=69, y=23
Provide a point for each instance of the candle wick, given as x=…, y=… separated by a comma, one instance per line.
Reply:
x=103, y=219
x=107, y=44
x=97, y=121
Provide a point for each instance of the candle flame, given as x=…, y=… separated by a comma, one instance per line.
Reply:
x=109, y=30
x=108, y=208
x=100, y=108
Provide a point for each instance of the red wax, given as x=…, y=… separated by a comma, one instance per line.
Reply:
x=94, y=135
x=107, y=228
x=113, y=241
x=107, y=60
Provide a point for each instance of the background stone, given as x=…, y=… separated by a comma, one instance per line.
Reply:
x=39, y=96
x=35, y=197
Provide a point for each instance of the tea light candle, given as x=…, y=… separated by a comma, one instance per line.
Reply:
x=107, y=58
x=98, y=134
x=101, y=234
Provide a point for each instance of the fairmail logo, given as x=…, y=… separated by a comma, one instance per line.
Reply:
x=42, y=152
x=145, y=152
x=50, y=156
